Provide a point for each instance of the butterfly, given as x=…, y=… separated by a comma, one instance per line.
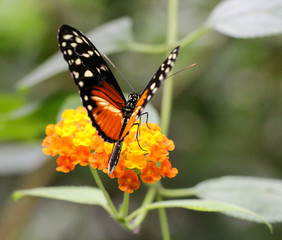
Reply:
x=110, y=113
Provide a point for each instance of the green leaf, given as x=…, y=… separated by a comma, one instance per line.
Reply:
x=261, y=196
x=29, y=122
x=202, y=205
x=247, y=19
x=81, y=194
x=109, y=38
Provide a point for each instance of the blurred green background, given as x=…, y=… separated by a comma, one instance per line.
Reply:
x=226, y=117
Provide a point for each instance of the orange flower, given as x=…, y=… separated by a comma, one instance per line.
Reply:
x=76, y=141
x=128, y=182
x=166, y=170
x=65, y=164
x=151, y=173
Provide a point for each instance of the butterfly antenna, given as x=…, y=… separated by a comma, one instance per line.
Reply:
x=183, y=69
x=119, y=72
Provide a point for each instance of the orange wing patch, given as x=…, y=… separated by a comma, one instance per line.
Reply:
x=107, y=117
x=108, y=111
x=108, y=93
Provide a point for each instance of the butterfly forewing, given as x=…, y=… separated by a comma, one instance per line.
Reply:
x=152, y=88
x=99, y=90
x=159, y=77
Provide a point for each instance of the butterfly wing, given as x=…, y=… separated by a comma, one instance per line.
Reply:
x=98, y=88
x=145, y=97
x=152, y=88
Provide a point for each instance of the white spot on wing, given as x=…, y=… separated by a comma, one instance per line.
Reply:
x=153, y=86
x=88, y=73
x=89, y=107
x=77, y=61
x=85, y=55
x=73, y=44
x=97, y=53
x=75, y=33
x=81, y=83
x=161, y=77
x=90, y=52
x=67, y=36
x=85, y=40
x=103, y=67
x=69, y=52
x=64, y=44
x=78, y=40
x=75, y=74
x=85, y=98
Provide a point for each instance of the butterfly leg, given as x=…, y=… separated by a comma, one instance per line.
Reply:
x=138, y=135
x=147, y=117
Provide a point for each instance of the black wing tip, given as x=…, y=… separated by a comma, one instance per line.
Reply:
x=64, y=28
x=177, y=48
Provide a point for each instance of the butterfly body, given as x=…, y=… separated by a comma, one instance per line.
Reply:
x=111, y=114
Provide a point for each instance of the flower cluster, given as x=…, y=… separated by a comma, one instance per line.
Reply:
x=76, y=141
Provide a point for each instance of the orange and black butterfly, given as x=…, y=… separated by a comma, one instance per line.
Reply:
x=111, y=114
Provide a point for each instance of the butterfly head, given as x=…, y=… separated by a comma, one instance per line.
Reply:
x=133, y=97
x=131, y=102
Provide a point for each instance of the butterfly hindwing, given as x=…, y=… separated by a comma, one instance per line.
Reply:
x=99, y=90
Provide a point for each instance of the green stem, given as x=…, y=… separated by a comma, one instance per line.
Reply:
x=172, y=23
x=163, y=221
x=101, y=186
x=192, y=37
x=168, y=84
x=175, y=193
x=167, y=99
x=166, y=106
x=147, y=200
x=124, y=206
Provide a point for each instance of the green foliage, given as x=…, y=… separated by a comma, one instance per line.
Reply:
x=83, y=195
x=24, y=36
x=262, y=196
x=226, y=116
